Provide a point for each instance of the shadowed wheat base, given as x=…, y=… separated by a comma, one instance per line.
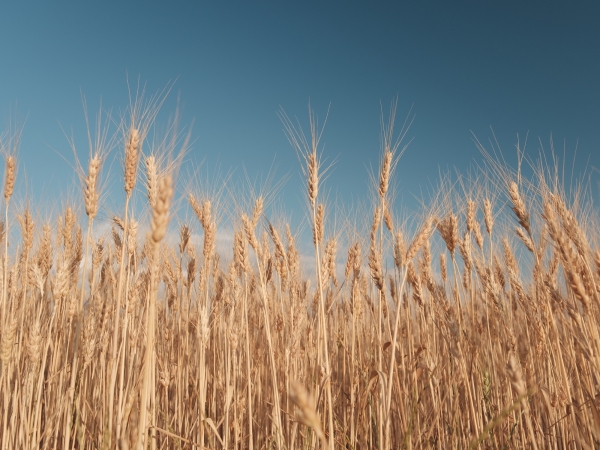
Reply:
x=477, y=329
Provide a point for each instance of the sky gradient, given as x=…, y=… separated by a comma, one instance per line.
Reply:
x=464, y=68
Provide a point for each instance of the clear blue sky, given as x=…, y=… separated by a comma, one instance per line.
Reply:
x=519, y=67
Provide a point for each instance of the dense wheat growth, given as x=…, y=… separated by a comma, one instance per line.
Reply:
x=474, y=323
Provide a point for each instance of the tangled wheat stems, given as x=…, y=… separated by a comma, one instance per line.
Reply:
x=495, y=346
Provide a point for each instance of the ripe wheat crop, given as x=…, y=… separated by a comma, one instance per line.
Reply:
x=474, y=326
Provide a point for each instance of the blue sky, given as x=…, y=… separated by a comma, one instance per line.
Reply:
x=464, y=67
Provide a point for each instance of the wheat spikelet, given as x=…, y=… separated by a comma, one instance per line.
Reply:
x=415, y=282
x=313, y=176
x=132, y=236
x=160, y=210
x=204, y=326
x=478, y=235
x=426, y=270
x=191, y=271
x=67, y=230
x=117, y=240
x=376, y=223
x=196, y=207
x=509, y=257
x=44, y=255
x=259, y=206
x=250, y=234
x=207, y=218
x=375, y=263
x=8, y=340
x=329, y=261
x=293, y=257
x=184, y=238
x=419, y=240
x=384, y=177
x=399, y=249
x=132, y=157
x=38, y=278
x=516, y=375
x=204, y=214
x=464, y=246
x=279, y=248
x=353, y=263
x=90, y=191
x=60, y=283
x=570, y=224
x=488, y=216
x=318, y=228
x=97, y=254
x=448, y=229
x=210, y=234
x=526, y=239
x=240, y=253
x=27, y=226
x=568, y=256
x=306, y=411
x=152, y=179
x=387, y=218
x=443, y=268
x=519, y=206
x=9, y=176
x=471, y=213
x=34, y=342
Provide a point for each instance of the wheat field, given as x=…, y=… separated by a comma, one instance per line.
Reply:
x=474, y=323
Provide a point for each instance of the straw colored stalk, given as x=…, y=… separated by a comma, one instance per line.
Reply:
x=9, y=186
x=90, y=197
x=160, y=221
x=243, y=265
x=375, y=258
x=259, y=251
x=132, y=150
x=318, y=214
